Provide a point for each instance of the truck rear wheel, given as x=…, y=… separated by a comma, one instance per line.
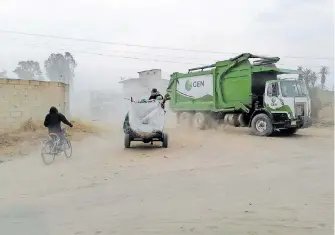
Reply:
x=165, y=141
x=261, y=125
x=127, y=141
x=200, y=121
x=185, y=119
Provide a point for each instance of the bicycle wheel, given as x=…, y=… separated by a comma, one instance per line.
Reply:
x=46, y=153
x=68, y=148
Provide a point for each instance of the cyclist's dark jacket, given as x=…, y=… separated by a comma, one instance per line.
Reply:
x=53, y=120
x=154, y=96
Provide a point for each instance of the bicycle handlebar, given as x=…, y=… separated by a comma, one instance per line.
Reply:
x=65, y=128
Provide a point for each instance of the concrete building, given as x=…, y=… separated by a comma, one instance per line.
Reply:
x=140, y=87
x=24, y=99
x=150, y=74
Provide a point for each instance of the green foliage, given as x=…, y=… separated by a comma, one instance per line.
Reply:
x=60, y=68
x=311, y=78
x=323, y=73
x=28, y=70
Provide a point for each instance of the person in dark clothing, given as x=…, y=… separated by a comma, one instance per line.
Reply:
x=53, y=122
x=154, y=94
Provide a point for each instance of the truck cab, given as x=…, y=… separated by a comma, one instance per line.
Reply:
x=289, y=103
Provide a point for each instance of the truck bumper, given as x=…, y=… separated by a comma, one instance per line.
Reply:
x=300, y=123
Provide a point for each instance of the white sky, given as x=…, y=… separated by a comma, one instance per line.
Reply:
x=284, y=28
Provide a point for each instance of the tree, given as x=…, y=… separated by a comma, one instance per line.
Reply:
x=60, y=68
x=28, y=70
x=3, y=74
x=300, y=70
x=310, y=77
x=306, y=76
x=313, y=78
x=323, y=72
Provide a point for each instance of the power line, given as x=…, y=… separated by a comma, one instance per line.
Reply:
x=111, y=43
x=37, y=44
x=126, y=57
x=145, y=46
x=135, y=58
x=145, y=54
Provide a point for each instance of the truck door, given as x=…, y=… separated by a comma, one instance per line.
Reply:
x=271, y=96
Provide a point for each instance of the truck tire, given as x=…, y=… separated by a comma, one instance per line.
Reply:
x=165, y=142
x=200, y=121
x=261, y=125
x=185, y=119
x=127, y=141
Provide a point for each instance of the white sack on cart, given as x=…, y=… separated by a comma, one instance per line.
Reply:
x=146, y=118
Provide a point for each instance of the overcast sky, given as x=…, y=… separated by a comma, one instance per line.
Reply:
x=285, y=28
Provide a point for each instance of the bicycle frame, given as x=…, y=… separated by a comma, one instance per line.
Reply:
x=55, y=139
x=51, y=146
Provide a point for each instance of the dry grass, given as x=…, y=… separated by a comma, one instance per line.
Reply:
x=84, y=126
x=29, y=135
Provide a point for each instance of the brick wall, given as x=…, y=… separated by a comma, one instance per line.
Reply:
x=24, y=99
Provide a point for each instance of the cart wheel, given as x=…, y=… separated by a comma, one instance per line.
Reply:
x=165, y=140
x=127, y=141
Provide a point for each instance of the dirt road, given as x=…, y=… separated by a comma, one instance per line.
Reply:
x=209, y=182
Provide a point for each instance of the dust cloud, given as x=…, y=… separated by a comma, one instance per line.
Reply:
x=206, y=182
x=214, y=181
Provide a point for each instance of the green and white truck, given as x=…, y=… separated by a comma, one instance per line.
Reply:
x=241, y=93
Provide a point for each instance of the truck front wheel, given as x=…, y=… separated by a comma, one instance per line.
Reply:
x=261, y=125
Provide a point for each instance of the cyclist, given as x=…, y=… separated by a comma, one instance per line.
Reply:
x=155, y=94
x=53, y=122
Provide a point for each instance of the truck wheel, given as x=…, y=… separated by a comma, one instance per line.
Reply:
x=200, y=121
x=127, y=141
x=261, y=125
x=165, y=140
x=185, y=119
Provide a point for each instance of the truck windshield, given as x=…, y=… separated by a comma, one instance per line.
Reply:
x=293, y=88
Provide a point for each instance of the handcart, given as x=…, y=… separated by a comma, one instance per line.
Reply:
x=145, y=122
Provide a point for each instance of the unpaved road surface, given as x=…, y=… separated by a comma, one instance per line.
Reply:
x=209, y=182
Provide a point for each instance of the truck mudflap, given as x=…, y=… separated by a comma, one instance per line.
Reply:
x=307, y=122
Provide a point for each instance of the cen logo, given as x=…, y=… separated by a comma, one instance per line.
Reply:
x=189, y=84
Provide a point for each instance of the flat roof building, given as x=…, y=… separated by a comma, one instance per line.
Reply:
x=140, y=87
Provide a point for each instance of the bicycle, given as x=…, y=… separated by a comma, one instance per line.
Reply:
x=51, y=146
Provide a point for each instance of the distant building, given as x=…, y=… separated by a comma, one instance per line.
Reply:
x=106, y=104
x=140, y=87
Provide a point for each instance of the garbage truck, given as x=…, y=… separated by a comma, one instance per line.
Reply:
x=245, y=91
